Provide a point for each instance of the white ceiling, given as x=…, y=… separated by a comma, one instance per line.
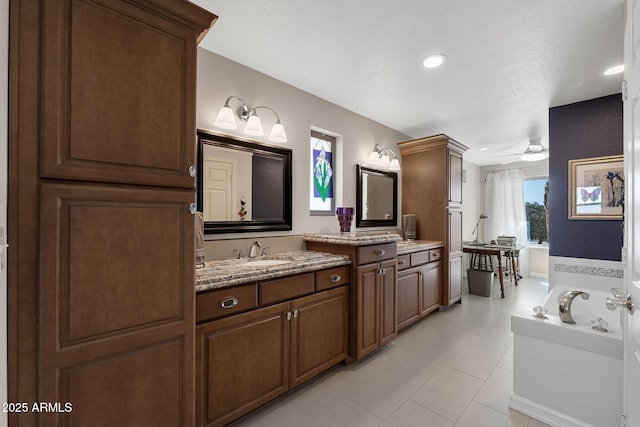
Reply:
x=508, y=60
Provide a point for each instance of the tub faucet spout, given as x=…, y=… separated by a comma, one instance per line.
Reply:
x=565, y=305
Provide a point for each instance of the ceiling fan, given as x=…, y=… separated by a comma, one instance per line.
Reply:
x=535, y=151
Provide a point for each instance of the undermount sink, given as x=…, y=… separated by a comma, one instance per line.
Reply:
x=268, y=262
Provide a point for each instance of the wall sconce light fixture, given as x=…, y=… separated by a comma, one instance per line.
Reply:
x=226, y=120
x=380, y=157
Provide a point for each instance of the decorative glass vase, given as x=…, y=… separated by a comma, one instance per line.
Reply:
x=345, y=216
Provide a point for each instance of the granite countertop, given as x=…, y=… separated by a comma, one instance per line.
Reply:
x=231, y=272
x=354, y=238
x=407, y=247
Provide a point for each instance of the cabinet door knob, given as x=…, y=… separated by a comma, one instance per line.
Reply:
x=335, y=278
x=288, y=315
x=229, y=302
x=192, y=171
x=192, y=208
x=380, y=252
x=296, y=313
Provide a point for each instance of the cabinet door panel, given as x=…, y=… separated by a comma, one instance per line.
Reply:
x=367, y=307
x=455, y=177
x=112, y=288
x=115, y=260
x=455, y=232
x=319, y=333
x=242, y=363
x=388, y=318
x=108, y=114
x=431, y=282
x=455, y=279
x=408, y=298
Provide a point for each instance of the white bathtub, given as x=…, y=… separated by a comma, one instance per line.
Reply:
x=564, y=374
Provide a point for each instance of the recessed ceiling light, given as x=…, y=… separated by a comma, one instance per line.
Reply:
x=484, y=148
x=434, y=61
x=614, y=70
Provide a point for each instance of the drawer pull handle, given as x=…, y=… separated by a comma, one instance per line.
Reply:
x=335, y=278
x=402, y=262
x=380, y=252
x=229, y=302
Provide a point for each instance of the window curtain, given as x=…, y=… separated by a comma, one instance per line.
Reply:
x=504, y=202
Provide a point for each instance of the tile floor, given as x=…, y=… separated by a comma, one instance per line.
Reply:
x=454, y=368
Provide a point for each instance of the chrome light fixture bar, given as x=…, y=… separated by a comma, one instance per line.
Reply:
x=380, y=157
x=226, y=120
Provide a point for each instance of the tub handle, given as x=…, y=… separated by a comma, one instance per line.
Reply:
x=619, y=300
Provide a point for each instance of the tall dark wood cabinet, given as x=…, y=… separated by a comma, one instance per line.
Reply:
x=432, y=190
x=101, y=138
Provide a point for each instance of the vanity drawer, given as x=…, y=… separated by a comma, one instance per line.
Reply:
x=435, y=254
x=404, y=261
x=286, y=288
x=419, y=258
x=376, y=253
x=226, y=301
x=332, y=278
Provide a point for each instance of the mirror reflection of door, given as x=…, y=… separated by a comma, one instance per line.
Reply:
x=226, y=180
x=217, y=183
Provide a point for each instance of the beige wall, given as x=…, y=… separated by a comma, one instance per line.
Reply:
x=219, y=78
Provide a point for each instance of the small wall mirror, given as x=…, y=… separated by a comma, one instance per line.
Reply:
x=376, y=197
x=242, y=186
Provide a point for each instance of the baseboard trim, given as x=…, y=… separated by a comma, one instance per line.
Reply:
x=543, y=413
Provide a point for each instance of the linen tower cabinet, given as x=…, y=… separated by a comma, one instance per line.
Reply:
x=101, y=139
x=432, y=190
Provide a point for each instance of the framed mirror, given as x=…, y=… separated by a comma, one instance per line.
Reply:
x=242, y=186
x=376, y=197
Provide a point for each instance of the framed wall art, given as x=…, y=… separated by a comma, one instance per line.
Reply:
x=322, y=174
x=596, y=188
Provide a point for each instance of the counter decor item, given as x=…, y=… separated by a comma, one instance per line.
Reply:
x=409, y=226
x=345, y=216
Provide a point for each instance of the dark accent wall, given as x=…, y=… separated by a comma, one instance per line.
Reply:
x=582, y=130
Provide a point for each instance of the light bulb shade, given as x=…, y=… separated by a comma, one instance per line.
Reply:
x=254, y=126
x=533, y=157
x=374, y=158
x=384, y=161
x=277, y=133
x=394, y=165
x=226, y=118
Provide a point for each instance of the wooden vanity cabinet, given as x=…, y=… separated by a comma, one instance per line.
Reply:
x=246, y=360
x=432, y=190
x=375, y=306
x=419, y=279
x=372, y=293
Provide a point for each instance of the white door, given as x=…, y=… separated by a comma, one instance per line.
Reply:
x=631, y=322
x=217, y=184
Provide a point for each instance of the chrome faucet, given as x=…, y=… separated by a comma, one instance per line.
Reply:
x=253, y=252
x=565, y=305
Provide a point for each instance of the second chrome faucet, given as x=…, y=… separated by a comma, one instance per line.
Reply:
x=565, y=305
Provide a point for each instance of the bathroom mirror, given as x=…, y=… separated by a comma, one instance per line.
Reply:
x=242, y=185
x=376, y=197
